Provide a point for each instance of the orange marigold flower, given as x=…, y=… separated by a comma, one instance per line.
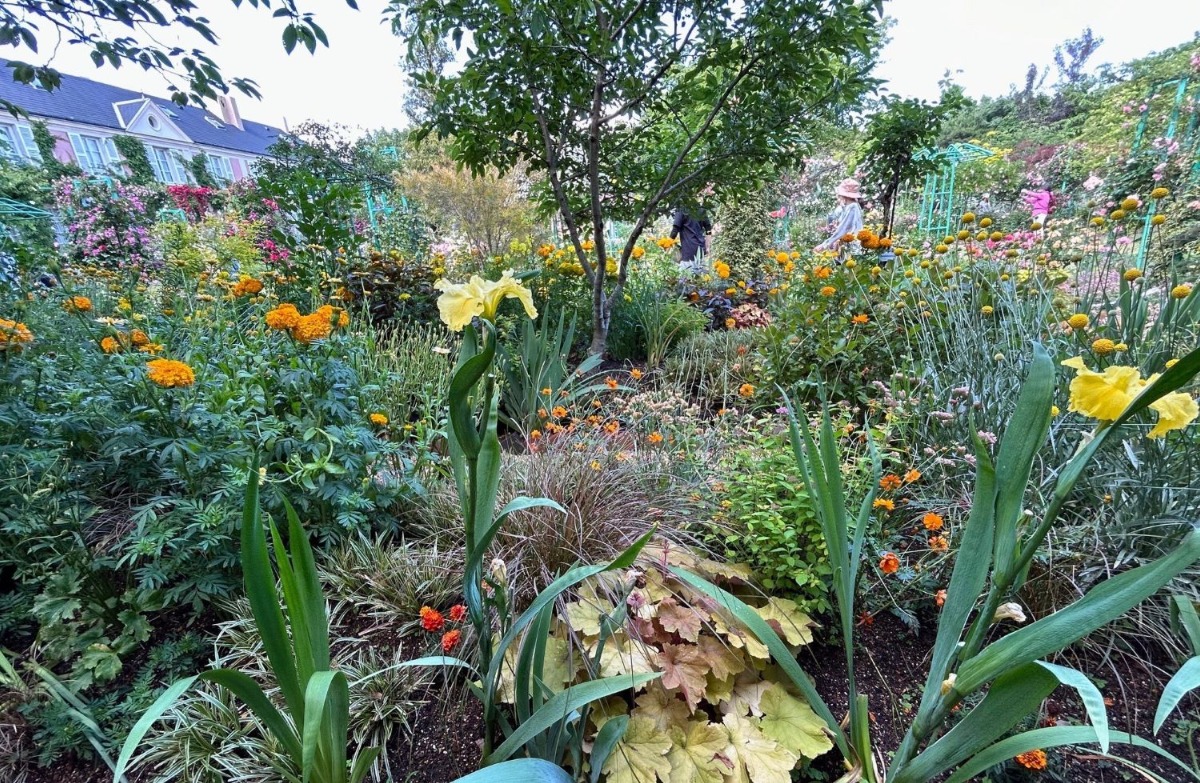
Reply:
x=889, y=482
x=612, y=427
x=864, y=235
x=559, y=412
x=14, y=335
x=889, y=563
x=939, y=544
x=378, y=419
x=611, y=382
x=822, y=272
x=861, y=318
x=636, y=374
x=458, y=613
x=110, y=345
x=450, y=640
x=1034, y=759
x=746, y=390
x=940, y=598
x=77, y=304
x=431, y=619
x=312, y=327
x=730, y=323
x=828, y=290
x=170, y=373
x=654, y=438
x=139, y=338
x=847, y=238
x=932, y=521
x=885, y=504
x=247, y=286
x=912, y=475
x=285, y=316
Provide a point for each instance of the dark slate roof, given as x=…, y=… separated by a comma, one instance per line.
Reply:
x=91, y=103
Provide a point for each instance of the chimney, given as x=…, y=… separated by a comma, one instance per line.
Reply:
x=229, y=111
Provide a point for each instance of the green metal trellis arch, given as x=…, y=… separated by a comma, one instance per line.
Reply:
x=937, y=199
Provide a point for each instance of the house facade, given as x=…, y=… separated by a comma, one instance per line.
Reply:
x=85, y=116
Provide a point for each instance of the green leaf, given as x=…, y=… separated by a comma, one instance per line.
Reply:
x=779, y=651
x=1024, y=435
x=1088, y=693
x=1052, y=737
x=606, y=739
x=323, y=741
x=519, y=771
x=792, y=723
x=561, y=705
x=1013, y=696
x=1187, y=679
x=1102, y=604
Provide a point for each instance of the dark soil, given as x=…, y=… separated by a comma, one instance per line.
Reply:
x=444, y=745
x=891, y=668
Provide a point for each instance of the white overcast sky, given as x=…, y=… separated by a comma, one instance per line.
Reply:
x=358, y=82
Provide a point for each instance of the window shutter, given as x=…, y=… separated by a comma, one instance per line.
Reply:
x=31, y=148
x=81, y=155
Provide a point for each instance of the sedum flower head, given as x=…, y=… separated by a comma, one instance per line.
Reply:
x=461, y=302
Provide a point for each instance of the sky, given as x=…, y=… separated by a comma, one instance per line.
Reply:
x=358, y=82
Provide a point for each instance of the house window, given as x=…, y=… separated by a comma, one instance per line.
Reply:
x=168, y=165
x=94, y=154
x=220, y=169
x=17, y=144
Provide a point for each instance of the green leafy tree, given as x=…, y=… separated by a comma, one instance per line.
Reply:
x=24, y=22
x=628, y=109
x=745, y=233
x=899, y=130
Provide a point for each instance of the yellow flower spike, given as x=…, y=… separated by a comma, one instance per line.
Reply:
x=461, y=302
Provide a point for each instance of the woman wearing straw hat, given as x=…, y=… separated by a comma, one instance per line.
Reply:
x=846, y=219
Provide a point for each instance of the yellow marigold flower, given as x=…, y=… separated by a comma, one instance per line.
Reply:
x=781, y=257
x=1158, y=220
x=942, y=248
x=1097, y=221
x=587, y=245
x=722, y=269
x=110, y=344
x=654, y=438
x=247, y=286
x=1117, y=214
x=286, y=316
x=637, y=252
x=77, y=304
x=884, y=503
x=730, y=323
x=828, y=290
x=151, y=348
x=1054, y=410
x=1107, y=395
x=1181, y=291
x=378, y=419
x=1131, y=274
x=968, y=217
x=987, y=309
x=14, y=335
x=1034, y=759
x=987, y=221
x=1159, y=193
x=1103, y=346
x=461, y=302
x=312, y=327
x=170, y=373
x=911, y=475
x=1130, y=204
x=1078, y=321
x=746, y=390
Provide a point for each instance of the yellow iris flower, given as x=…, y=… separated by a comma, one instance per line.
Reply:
x=1106, y=395
x=460, y=302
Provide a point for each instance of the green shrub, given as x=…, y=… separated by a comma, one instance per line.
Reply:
x=771, y=523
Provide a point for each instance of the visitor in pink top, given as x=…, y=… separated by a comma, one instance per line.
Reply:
x=1040, y=203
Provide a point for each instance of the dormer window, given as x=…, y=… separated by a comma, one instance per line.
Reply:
x=168, y=112
x=213, y=121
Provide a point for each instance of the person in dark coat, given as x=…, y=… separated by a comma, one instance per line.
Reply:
x=692, y=233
